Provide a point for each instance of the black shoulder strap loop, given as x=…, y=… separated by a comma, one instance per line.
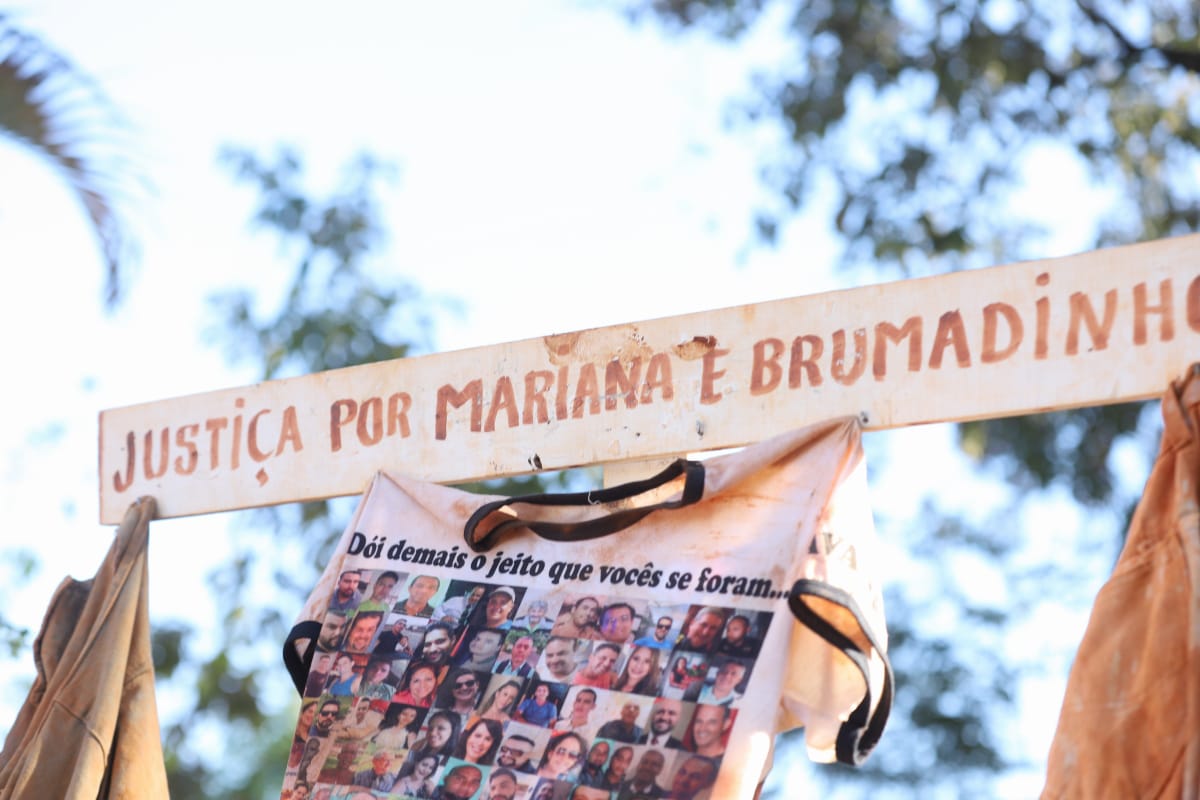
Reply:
x=480, y=535
x=861, y=731
x=298, y=664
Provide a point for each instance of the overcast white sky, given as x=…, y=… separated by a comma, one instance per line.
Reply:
x=545, y=150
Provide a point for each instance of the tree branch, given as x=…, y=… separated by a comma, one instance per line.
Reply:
x=1132, y=53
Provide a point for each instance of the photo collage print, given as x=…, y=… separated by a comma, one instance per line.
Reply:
x=423, y=687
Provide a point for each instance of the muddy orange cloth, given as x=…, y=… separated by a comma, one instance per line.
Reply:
x=1130, y=722
x=89, y=727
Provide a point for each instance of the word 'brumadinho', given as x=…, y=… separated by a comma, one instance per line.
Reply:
x=989, y=334
x=994, y=333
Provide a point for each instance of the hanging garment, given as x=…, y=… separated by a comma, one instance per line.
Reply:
x=662, y=623
x=89, y=727
x=1129, y=721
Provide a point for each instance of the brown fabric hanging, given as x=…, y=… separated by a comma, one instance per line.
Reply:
x=89, y=727
x=1129, y=722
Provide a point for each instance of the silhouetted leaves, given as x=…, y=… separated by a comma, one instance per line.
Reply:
x=1070, y=447
x=920, y=115
x=333, y=311
x=18, y=566
x=969, y=89
x=48, y=105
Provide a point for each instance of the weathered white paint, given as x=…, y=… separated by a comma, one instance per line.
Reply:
x=707, y=380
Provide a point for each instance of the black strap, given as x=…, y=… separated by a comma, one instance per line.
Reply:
x=298, y=664
x=861, y=731
x=481, y=540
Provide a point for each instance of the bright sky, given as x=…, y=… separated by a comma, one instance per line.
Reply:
x=559, y=169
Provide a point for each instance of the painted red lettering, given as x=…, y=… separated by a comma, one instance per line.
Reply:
x=887, y=332
x=1016, y=331
x=838, y=368
x=799, y=365
x=709, y=374
x=619, y=383
x=340, y=414
x=765, y=372
x=503, y=399
x=658, y=376
x=448, y=397
x=1081, y=309
x=1165, y=310
x=537, y=383
x=950, y=333
x=185, y=438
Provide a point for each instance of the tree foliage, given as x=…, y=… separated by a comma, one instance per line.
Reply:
x=51, y=107
x=334, y=310
x=923, y=113
x=921, y=118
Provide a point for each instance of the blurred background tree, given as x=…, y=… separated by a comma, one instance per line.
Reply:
x=51, y=109
x=334, y=311
x=337, y=309
x=921, y=118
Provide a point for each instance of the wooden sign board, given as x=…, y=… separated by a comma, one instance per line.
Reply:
x=1101, y=327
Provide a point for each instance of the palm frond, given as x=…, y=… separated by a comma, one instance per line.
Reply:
x=48, y=105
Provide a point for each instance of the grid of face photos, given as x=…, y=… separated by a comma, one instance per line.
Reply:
x=458, y=690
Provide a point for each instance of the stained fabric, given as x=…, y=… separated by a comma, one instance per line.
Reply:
x=663, y=623
x=1129, y=721
x=89, y=727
